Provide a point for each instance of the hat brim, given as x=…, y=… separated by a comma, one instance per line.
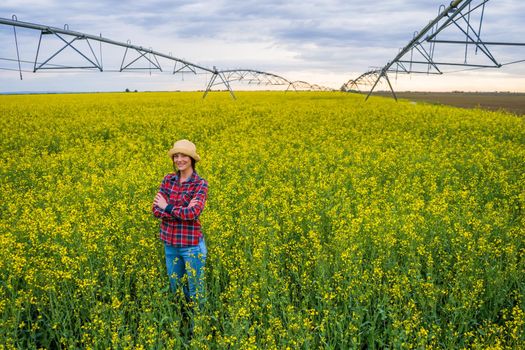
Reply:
x=184, y=151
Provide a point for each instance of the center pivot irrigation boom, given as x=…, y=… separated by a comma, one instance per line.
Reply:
x=264, y=78
x=73, y=41
x=416, y=58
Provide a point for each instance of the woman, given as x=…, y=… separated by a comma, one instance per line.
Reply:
x=178, y=204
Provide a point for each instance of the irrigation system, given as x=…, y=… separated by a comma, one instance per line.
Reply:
x=465, y=17
x=133, y=58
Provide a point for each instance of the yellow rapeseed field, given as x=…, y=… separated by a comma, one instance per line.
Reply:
x=331, y=223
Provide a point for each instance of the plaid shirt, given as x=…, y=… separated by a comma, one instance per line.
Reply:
x=180, y=226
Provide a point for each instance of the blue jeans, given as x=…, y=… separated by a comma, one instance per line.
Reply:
x=187, y=261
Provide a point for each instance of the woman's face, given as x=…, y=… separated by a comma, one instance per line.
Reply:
x=182, y=161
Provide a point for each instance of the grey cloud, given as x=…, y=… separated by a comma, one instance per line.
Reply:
x=316, y=34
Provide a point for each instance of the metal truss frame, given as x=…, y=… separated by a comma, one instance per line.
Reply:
x=250, y=76
x=304, y=85
x=258, y=77
x=366, y=79
x=418, y=55
x=69, y=38
x=94, y=61
x=135, y=56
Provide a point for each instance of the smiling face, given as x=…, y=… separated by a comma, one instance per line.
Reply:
x=182, y=162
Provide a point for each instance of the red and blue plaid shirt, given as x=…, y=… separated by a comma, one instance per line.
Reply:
x=180, y=226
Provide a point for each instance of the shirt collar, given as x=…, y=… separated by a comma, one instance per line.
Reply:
x=192, y=177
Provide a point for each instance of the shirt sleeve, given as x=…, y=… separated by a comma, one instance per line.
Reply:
x=193, y=213
x=157, y=212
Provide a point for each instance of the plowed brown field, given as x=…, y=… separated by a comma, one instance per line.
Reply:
x=511, y=102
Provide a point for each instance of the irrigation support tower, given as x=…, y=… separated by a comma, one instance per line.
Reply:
x=416, y=58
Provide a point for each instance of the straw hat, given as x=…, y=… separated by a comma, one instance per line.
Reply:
x=185, y=147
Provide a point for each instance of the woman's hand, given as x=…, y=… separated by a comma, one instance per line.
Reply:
x=160, y=201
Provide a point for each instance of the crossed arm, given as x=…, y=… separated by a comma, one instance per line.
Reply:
x=162, y=209
x=161, y=202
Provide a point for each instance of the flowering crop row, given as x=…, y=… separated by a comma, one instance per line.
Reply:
x=331, y=223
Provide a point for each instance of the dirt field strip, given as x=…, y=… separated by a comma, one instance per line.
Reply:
x=511, y=102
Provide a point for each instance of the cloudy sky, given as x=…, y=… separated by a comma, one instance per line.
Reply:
x=322, y=42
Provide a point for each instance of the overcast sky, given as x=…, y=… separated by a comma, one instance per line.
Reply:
x=322, y=42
